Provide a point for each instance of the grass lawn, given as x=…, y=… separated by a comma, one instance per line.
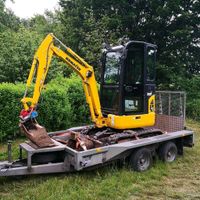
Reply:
x=178, y=180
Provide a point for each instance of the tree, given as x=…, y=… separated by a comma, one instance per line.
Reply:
x=17, y=50
x=171, y=24
x=7, y=18
x=18, y=44
x=45, y=24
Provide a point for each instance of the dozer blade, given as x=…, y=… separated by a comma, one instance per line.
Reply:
x=36, y=134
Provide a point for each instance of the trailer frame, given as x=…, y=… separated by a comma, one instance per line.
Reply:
x=76, y=161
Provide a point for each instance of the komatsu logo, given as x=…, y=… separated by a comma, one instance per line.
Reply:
x=73, y=64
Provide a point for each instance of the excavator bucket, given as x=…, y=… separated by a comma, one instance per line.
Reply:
x=36, y=134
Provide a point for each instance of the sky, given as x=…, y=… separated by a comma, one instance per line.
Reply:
x=28, y=8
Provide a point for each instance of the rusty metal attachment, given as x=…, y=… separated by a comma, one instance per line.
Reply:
x=83, y=139
x=77, y=140
x=93, y=138
x=36, y=134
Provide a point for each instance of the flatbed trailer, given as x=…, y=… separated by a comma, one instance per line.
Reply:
x=72, y=160
x=139, y=152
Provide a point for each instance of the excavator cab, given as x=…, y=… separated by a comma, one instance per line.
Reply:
x=128, y=79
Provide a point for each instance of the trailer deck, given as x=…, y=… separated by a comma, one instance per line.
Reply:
x=76, y=161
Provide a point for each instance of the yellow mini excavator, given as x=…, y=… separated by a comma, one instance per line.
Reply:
x=123, y=115
x=127, y=89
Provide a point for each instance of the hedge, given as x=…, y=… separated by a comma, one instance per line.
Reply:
x=10, y=107
x=193, y=109
x=62, y=105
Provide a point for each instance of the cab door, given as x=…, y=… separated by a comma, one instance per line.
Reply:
x=139, y=78
x=110, y=85
x=133, y=84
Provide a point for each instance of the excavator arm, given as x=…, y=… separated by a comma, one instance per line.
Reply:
x=40, y=67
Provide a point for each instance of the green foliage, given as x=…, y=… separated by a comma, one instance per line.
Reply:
x=58, y=68
x=7, y=18
x=76, y=97
x=17, y=50
x=85, y=25
x=193, y=109
x=191, y=86
x=172, y=25
x=54, y=109
x=19, y=40
x=45, y=24
x=62, y=105
x=10, y=96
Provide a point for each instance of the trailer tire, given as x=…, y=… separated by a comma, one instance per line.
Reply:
x=141, y=160
x=168, y=152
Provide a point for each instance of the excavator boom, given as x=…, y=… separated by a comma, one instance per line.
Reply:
x=40, y=67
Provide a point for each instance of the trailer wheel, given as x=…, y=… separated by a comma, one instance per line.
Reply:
x=141, y=160
x=168, y=152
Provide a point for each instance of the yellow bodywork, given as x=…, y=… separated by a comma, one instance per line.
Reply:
x=134, y=121
x=40, y=67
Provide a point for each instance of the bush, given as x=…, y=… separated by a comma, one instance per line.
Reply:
x=76, y=96
x=191, y=86
x=193, y=109
x=62, y=105
x=10, y=107
x=17, y=50
x=54, y=109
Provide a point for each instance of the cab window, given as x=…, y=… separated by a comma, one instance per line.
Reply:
x=112, y=67
x=134, y=66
